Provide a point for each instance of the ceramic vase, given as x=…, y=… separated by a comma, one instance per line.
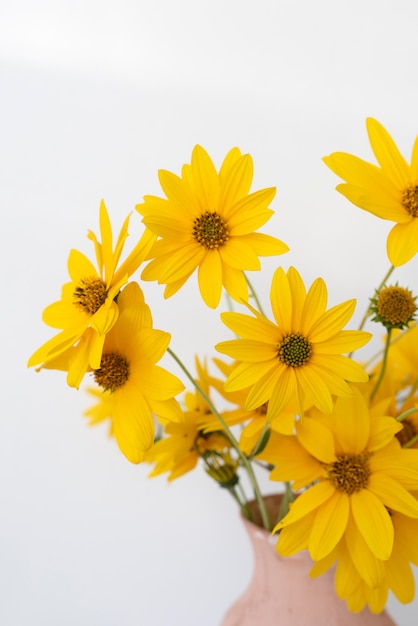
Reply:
x=281, y=593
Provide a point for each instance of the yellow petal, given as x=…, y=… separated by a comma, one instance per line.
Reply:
x=305, y=504
x=281, y=300
x=205, y=178
x=236, y=178
x=331, y=322
x=371, y=569
x=373, y=521
x=247, y=327
x=388, y=155
x=315, y=305
x=402, y=242
x=317, y=439
x=329, y=525
x=239, y=255
x=352, y=423
x=393, y=495
x=294, y=538
x=235, y=283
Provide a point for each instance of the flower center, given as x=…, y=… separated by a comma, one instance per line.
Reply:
x=113, y=372
x=409, y=200
x=407, y=433
x=294, y=350
x=261, y=411
x=350, y=472
x=90, y=295
x=210, y=230
x=396, y=305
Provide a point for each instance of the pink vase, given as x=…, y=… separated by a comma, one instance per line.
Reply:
x=281, y=592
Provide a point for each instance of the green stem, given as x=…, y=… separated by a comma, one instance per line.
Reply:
x=367, y=313
x=234, y=443
x=287, y=498
x=377, y=354
x=384, y=364
x=256, y=450
x=253, y=295
x=411, y=442
x=406, y=414
x=243, y=505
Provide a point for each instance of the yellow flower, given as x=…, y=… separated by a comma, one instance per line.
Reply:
x=394, y=574
x=389, y=191
x=87, y=309
x=359, y=471
x=179, y=451
x=207, y=222
x=134, y=387
x=299, y=354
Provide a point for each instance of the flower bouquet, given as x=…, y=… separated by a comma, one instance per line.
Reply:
x=286, y=393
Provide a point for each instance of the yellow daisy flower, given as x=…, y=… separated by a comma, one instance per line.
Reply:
x=395, y=574
x=88, y=309
x=389, y=191
x=183, y=444
x=297, y=355
x=207, y=222
x=359, y=471
x=134, y=387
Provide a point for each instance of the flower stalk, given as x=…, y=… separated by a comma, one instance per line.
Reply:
x=232, y=440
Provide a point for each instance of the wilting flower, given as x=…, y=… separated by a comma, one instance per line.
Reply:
x=359, y=472
x=300, y=354
x=134, y=387
x=88, y=309
x=389, y=191
x=207, y=222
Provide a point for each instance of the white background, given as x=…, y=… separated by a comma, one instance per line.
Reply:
x=95, y=98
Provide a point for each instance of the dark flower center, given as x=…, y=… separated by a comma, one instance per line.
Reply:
x=409, y=200
x=90, y=294
x=294, y=350
x=210, y=230
x=113, y=372
x=407, y=433
x=350, y=472
x=396, y=305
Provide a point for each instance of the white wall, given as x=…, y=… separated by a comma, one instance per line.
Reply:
x=95, y=97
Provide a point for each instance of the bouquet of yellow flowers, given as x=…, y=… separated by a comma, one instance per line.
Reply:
x=340, y=435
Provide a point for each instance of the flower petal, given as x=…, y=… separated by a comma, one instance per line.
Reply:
x=329, y=525
x=373, y=521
